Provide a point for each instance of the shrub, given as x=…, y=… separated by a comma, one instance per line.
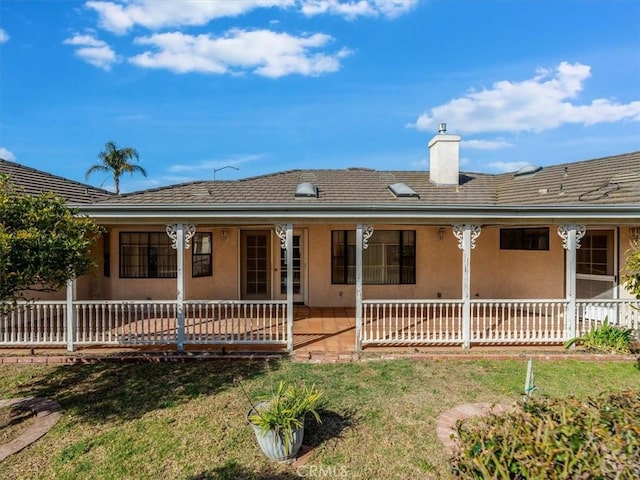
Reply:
x=595, y=438
x=605, y=338
x=631, y=279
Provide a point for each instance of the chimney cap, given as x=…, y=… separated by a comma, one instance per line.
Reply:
x=442, y=128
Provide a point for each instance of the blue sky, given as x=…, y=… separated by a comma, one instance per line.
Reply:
x=265, y=86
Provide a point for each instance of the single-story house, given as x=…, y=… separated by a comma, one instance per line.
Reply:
x=438, y=257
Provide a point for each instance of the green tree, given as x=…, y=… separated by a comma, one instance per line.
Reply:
x=632, y=274
x=42, y=242
x=116, y=161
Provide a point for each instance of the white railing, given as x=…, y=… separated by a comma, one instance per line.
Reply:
x=385, y=322
x=27, y=323
x=411, y=321
x=143, y=322
x=518, y=321
x=492, y=322
x=235, y=322
x=125, y=322
x=592, y=313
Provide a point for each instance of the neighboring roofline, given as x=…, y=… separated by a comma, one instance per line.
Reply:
x=313, y=213
x=57, y=177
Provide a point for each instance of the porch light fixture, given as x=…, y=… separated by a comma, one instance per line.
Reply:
x=441, y=232
x=224, y=233
x=634, y=232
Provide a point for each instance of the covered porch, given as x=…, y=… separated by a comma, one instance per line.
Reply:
x=282, y=324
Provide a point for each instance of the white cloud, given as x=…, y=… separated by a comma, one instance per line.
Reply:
x=210, y=165
x=507, y=166
x=540, y=103
x=395, y=8
x=4, y=36
x=358, y=8
x=263, y=52
x=486, y=144
x=93, y=51
x=7, y=155
x=119, y=17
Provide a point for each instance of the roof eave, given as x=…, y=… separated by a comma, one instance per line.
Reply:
x=244, y=213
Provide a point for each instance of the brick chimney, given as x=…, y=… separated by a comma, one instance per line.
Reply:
x=444, y=158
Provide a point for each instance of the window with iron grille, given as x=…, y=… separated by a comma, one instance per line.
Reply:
x=390, y=258
x=147, y=255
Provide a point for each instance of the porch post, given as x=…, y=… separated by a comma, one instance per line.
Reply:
x=181, y=239
x=71, y=314
x=466, y=235
x=363, y=233
x=571, y=235
x=285, y=234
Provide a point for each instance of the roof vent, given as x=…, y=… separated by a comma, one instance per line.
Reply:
x=527, y=170
x=402, y=190
x=306, y=190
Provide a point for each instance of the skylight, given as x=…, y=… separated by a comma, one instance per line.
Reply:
x=402, y=190
x=306, y=190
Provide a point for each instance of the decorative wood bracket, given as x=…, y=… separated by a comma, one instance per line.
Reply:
x=281, y=232
x=172, y=232
x=563, y=231
x=458, y=231
x=367, y=232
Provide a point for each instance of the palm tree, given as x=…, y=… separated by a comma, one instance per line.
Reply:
x=115, y=160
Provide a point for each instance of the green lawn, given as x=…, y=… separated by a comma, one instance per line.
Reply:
x=187, y=420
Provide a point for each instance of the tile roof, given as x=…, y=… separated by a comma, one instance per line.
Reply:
x=35, y=181
x=603, y=181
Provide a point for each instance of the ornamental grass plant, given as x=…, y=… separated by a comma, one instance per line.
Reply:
x=606, y=338
x=284, y=410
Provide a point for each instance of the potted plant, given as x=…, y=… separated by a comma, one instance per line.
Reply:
x=278, y=418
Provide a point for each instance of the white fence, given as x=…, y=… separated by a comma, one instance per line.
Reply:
x=491, y=322
x=110, y=322
x=33, y=323
x=518, y=321
x=385, y=322
x=235, y=322
x=398, y=322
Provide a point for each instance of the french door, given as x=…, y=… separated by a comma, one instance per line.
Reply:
x=256, y=264
x=298, y=271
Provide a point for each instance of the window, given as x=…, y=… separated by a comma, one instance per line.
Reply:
x=106, y=256
x=390, y=258
x=595, y=256
x=524, y=238
x=147, y=255
x=201, y=265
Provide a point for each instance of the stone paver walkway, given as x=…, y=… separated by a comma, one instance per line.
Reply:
x=446, y=426
x=47, y=413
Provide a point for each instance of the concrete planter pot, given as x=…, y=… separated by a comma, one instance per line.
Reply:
x=274, y=445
